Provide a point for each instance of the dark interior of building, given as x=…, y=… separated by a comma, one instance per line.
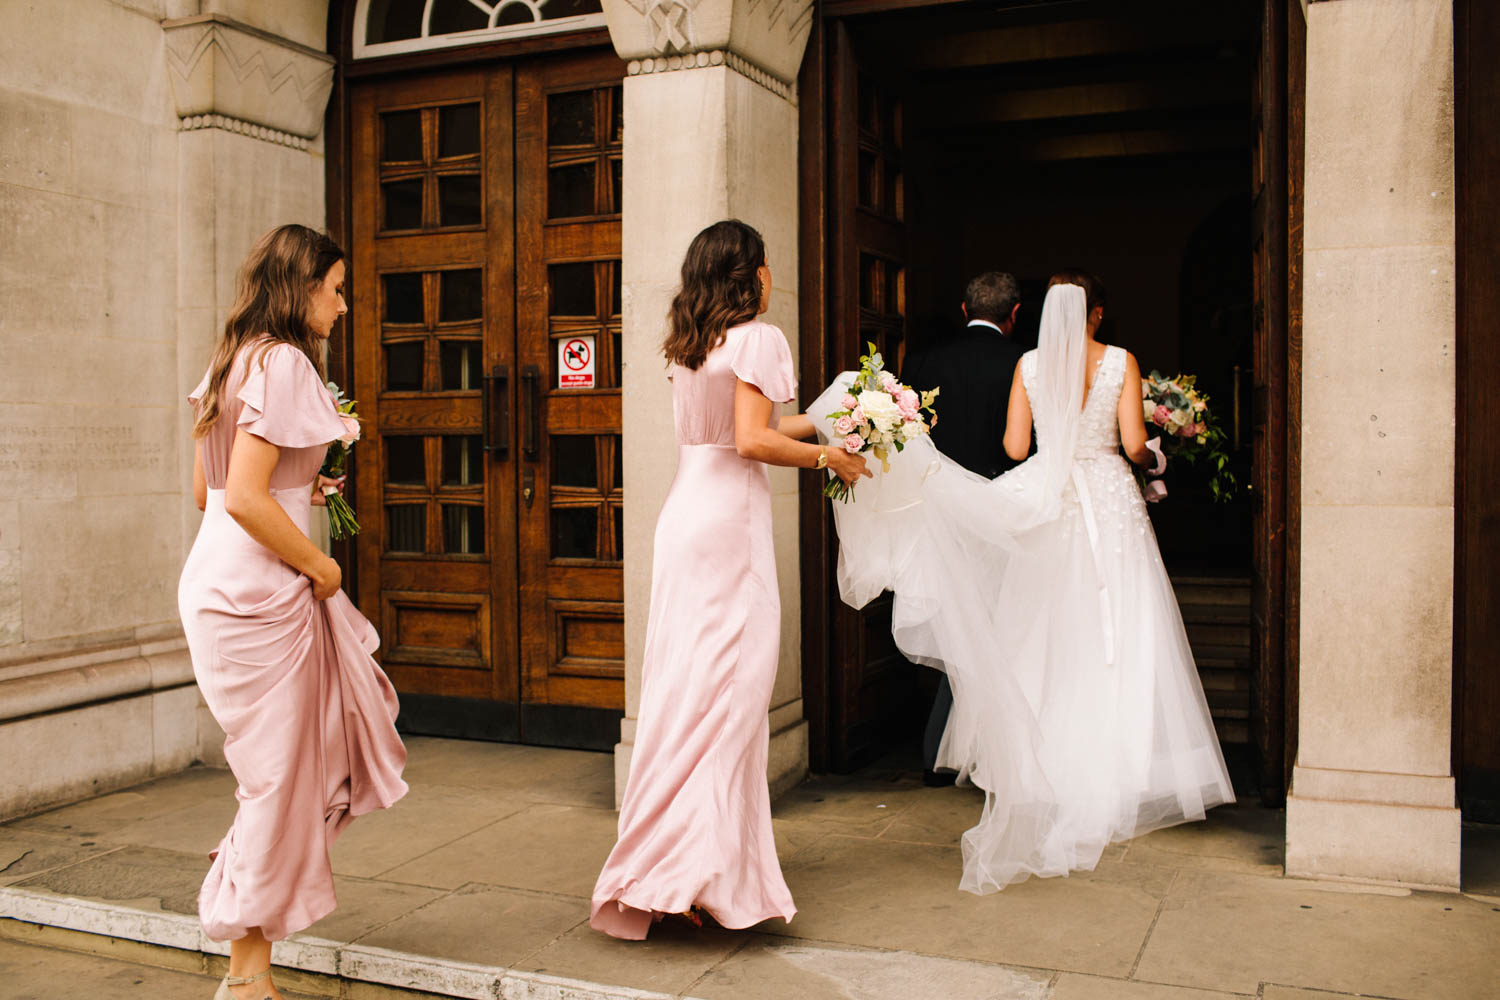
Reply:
x=1116, y=137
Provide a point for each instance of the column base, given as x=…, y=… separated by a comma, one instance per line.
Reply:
x=1392, y=829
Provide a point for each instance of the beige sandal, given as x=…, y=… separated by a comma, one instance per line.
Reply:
x=223, y=991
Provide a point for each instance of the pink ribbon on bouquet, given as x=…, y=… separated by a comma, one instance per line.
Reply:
x=1155, y=490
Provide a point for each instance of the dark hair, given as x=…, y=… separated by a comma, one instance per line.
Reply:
x=720, y=288
x=272, y=300
x=1093, y=288
x=991, y=296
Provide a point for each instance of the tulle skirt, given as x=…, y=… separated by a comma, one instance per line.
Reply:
x=1077, y=705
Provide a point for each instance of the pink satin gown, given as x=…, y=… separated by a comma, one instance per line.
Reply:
x=695, y=825
x=308, y=715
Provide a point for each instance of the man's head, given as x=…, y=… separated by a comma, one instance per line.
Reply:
x=993, y=296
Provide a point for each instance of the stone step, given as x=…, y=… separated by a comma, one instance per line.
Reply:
x=1228, y=704
x=1231, y=636
x=1221, y=657
x=1224, y=679
x=1232, y=730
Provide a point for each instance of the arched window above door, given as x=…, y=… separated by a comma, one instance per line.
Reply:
x=387, y=27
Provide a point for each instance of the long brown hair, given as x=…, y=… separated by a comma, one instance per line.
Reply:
x=272, y=299
x=720, y=288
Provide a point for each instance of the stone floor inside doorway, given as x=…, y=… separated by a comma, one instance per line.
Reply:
x=477, y=886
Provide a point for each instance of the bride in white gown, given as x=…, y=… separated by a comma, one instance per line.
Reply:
x=1077, y=706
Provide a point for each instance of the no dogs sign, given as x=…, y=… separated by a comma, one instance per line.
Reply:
x=575, y=363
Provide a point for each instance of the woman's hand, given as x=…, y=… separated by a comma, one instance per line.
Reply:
x=319, y=498
x=847, y=467
x=326, y=579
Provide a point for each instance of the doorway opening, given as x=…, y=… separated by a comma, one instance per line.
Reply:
x=1131, y=140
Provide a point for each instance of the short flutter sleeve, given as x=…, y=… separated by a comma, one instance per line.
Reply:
x=197, y=393
x=285, y=403
x=763, y=359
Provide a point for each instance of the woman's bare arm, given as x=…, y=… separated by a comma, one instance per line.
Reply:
x=1018, y=420
x=247, y=499
x=1132, y=415
x=200, y=479
x=798, y=427
x=755, y=439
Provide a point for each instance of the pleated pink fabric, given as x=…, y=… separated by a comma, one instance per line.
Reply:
x=695, y=825
x=309, y=716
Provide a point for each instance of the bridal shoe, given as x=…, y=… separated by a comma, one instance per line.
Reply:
x=223, y=991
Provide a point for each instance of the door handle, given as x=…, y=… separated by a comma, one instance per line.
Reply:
x=496, y=439
x=531, y=379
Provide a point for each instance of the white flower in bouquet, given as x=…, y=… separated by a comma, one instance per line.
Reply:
x=881, y=409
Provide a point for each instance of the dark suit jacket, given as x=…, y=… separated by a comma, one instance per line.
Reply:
x=974, y=367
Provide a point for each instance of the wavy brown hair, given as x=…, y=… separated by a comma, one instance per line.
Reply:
x=720, y=288
x=272, y=299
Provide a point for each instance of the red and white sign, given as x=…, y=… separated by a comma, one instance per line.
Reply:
x=575, y=363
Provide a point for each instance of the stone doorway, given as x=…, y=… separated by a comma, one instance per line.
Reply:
x=1144, y=142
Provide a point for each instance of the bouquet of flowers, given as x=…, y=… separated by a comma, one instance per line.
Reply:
x=879, y=414
x=341, y=521
x=1188, y=428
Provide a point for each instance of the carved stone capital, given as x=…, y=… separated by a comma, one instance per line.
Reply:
x=221, y=67
x=768, y=34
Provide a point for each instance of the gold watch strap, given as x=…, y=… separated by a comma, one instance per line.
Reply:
x=822, y=458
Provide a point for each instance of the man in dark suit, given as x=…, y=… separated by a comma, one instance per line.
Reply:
x=974, y=368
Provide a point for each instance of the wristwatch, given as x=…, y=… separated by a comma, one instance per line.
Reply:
x=822, y=459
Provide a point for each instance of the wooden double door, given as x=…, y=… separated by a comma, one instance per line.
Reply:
x=486, y=344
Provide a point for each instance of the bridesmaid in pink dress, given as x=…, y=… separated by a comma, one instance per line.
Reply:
x=695, y=825
x=282, y=657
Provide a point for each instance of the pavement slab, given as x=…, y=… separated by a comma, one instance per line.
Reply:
x=1071, y=986
x=1233, y=932
x=545, y=847
x=673, y=957
x=905, y=896
x=25, y=853
x=481, y=924
x=429, y=817
x=767, y=968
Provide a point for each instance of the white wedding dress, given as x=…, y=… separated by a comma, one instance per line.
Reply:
x=1077, y=706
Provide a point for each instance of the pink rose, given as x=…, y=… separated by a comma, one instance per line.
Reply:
x=1188, y=431
x=908, y=403
x=848, y=402
x=889, y=384
x=1161, y=416
x=351, y=430
x=844, y=425
x=1200, y=428
x=858, y=416
x=853, y=443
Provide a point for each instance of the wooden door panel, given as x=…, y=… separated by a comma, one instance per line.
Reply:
x=569, y=135
x=433, y=272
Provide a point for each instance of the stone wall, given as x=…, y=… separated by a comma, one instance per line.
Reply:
x=124, y=220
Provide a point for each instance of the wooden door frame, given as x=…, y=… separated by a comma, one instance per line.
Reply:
x=823, y=623
x=1476, y=674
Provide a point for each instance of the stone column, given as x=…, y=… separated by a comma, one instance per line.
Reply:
x=250, y=97
x=1372, y=793
x=710, y=133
